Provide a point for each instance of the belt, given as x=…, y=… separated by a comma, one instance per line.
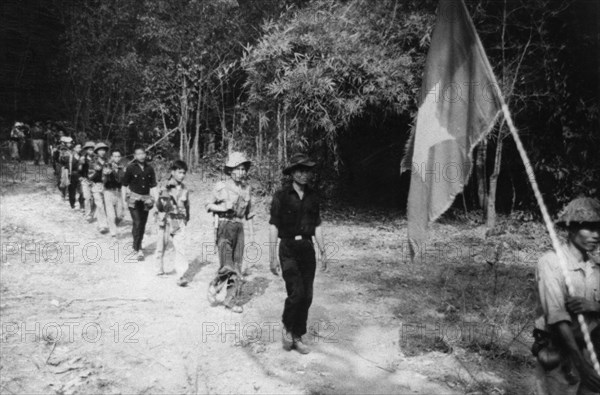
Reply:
x=226, y=215
x=176, y=216
x=297, y=237
x=230, y=219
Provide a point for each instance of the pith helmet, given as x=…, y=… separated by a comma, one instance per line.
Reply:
x=100, y=146
x=89, y=144
x=583, y=209
x=298, y=160
x=236, y=159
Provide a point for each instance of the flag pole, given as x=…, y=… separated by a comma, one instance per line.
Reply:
x=551, y=230
x=538, y=196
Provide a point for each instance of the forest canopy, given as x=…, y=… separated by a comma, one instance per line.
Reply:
x=338, y=79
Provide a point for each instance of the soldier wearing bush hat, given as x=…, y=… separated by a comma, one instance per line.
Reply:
x=564, y=367
x=295, y=220
x=236, y=159
x=231, y=203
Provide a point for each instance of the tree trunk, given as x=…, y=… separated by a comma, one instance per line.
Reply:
x=491, y=207
x=279, y=137
x=481, y=174
x=285, y=132
x=197, y=138
x=232, y=136
x=183, y=138
x=223, y=120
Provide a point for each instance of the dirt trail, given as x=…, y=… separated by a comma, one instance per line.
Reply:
x=80, y=316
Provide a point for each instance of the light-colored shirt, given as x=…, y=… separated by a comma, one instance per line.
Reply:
x=585, y=278
x=235, y=197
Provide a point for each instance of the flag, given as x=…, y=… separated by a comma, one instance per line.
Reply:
x=458, y=106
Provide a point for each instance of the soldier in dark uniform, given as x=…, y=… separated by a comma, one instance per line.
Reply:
x=69, y=170
x=295, y=220
x=139, y=190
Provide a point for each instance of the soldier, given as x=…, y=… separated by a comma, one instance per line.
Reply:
x=173, y=214
x=564, y=366
x=69, y=175
x=17, y=140
x=95, y=176
x=139, y=194
x=57, y=141
x=113, y=201
x=295, y=219
x=85, y=159
x=232, y=204
x=37, y=142
x=48, y=141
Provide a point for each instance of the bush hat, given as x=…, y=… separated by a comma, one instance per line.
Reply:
x=236, y=159
x=298, y=160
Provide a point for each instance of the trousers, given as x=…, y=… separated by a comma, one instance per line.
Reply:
x=230, y=245
x=178, y=238
x=298, y=265
x=113, y=203
x=38, y=150
x=139, y=216
x=86, y=192
x=100, y=211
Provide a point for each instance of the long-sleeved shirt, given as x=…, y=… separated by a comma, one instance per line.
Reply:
x=95, y=169
x=112, y=180
x=139, y=180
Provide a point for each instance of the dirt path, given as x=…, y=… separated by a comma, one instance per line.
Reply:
x=80, y=316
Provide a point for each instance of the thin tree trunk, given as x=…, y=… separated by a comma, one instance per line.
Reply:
x=259, y=138
x=279, y=137
x=232, y=137
x=183, y=139
x=481, y=174
x=491, y=208
x=223, y=120
x=285, y=130
x=197, y=139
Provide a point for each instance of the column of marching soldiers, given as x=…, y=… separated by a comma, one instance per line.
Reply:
x=105, y=186
x=99, y=182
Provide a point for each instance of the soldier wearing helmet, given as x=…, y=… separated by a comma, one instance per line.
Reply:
x=564, y=366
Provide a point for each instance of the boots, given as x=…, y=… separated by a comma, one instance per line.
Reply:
x=300, y=346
